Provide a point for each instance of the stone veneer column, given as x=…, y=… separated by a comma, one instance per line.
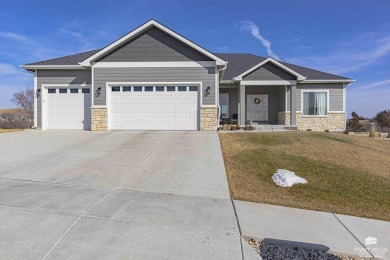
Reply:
x=208, y=118
x=99, y=119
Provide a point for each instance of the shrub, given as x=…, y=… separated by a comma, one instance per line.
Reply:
x=249, y=128
x=353, y=124
x=382, y=118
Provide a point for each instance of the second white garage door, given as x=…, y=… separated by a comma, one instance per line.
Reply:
x=153, y=107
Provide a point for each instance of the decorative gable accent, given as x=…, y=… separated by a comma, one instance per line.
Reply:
x=153, y=45
x=269, y=71
x=152, y=42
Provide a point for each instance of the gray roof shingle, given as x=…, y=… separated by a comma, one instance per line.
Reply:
x=67, y=60
x=241, y=62
x=237, y=64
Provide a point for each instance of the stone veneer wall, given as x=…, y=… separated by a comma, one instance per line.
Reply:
x=99, y=119
x=332, y=122
x=208, y=119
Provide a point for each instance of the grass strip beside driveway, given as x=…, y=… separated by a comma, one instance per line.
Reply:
x=9, y=130
x=346, y=174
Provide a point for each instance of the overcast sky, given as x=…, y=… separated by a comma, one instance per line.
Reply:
x=348, y=38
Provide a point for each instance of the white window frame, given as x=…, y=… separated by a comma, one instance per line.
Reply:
x=303, y=91
x=228, y=105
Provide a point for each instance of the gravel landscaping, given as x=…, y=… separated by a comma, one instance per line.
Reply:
x=276, y=252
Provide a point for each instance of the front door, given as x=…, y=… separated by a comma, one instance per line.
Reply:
x=257, y=107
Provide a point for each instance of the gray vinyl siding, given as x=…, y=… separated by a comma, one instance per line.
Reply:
x=233, y=97
x=154, y=45
x=336, y=95
x=269, y=72
x=55, y=77
x=200, y=74
x=298, y=96
x=282, y=99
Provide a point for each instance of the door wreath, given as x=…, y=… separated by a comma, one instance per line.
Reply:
x=257, y=101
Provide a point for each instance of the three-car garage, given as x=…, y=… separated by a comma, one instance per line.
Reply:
x=129, y=107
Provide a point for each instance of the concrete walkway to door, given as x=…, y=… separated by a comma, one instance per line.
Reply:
x=110, y=195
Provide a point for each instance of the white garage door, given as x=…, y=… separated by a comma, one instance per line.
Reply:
x=153, y=107
x=68, y=108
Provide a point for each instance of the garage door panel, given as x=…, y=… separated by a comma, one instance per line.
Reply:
x=170, y=106
x=137, y=98
x=148, y=106
x=159, y=106
x=158, y=98
x=154, y=110
x=136, y=107
x=148, y=98
x=68, y=110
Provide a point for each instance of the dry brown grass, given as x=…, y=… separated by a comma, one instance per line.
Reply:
x=9, y=130
x=346, y=174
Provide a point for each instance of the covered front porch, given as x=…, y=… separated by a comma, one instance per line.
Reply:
x=258, y=103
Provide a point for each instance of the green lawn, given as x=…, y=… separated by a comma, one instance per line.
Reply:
x=346, y=174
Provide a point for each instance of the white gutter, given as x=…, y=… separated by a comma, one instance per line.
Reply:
x=52, y=67
x=328, y=81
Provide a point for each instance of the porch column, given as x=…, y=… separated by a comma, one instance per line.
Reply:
x=241, y=106
x=293, y=105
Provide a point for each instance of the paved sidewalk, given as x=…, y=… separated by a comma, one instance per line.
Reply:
x=313, y=229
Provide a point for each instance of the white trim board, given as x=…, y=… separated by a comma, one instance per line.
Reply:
x=275, y=62
x=327, y=81
x=267, y=82
x=144, y=27
x=53, y=67
x=36, y=99
x=168, y=64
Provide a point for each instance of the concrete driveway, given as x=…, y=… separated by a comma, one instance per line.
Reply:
x=143, y=195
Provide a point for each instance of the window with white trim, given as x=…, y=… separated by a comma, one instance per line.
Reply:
x=224, y=104
x=315, y=103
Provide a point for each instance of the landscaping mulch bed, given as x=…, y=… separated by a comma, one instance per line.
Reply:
x=278, y=252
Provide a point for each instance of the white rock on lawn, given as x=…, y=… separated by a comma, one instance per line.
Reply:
x=285, y=178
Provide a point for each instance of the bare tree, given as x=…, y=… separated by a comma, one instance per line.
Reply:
x=24, y=99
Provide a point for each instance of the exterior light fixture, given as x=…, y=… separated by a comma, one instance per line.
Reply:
x=207, y=91
x=98, y=92
x=37, y=93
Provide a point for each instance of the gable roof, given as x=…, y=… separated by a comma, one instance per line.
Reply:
x=275, y=62
x=74, y=59
x=238, y=63
x=143, y=28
